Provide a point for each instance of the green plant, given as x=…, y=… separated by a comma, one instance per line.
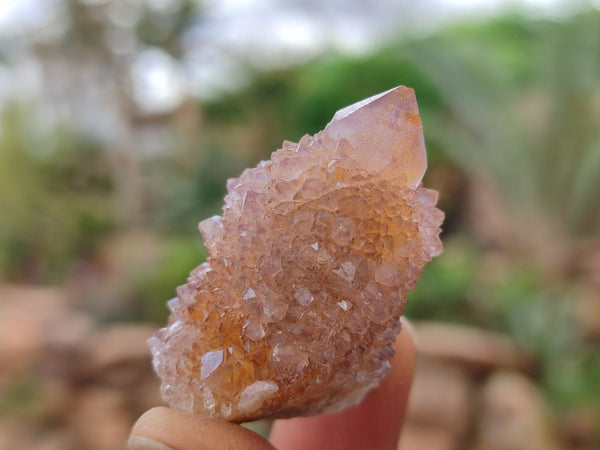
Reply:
x=176, y=259
x=55, y=197
x=521, y=108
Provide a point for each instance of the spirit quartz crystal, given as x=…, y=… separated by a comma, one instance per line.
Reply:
x=298, y=305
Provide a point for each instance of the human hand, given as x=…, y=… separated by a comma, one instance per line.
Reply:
x=374, y=424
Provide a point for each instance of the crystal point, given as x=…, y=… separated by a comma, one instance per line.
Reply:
x=297, y=306
x=384, y=134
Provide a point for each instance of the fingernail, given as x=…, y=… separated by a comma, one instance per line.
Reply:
x=144, y=443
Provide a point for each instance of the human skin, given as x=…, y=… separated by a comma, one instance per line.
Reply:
x=374, y=424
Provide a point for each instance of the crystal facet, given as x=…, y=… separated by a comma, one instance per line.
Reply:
x=296, y=310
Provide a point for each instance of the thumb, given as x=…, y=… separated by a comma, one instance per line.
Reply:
x=165, y=429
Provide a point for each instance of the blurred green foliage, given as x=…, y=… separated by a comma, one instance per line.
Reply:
x=302, y=100
x=185, y=189
x=162, y=27
x=471, y=286
x=55, y=198
x=521, y=98
x=176, y=257
x=21, y=396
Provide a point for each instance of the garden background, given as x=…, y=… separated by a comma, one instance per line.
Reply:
x=120, y=121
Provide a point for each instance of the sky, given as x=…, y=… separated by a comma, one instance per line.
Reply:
x=266, y=33
x=26, y=13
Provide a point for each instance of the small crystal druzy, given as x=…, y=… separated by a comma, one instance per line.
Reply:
x=298, y=305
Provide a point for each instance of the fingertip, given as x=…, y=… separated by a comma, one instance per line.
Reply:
x=181, y=431
x=406, y=346
x=144, y=443
x=409, y=327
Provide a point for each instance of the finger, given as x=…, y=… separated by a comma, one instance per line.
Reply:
x=181, y=431
x=374, y=424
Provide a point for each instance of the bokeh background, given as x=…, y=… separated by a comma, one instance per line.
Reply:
x=120, y=121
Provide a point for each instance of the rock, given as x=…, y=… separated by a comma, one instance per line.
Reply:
x=119, y=355
x=587, y=312
x=25, y=313
x=65, y=352
x=57, y=397
x=580, y=429
x=441, y=397
x=424, y=437
x=588, y=261
x=75, y=385
x=144, y=395
x=17, y=435
x=514, y=415
x=100, y=420
x=477, y=350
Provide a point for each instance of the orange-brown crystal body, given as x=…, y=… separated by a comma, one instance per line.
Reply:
x=297, y=307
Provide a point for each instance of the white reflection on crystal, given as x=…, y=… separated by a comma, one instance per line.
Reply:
x=346, y=271
x=254, y=331
x=172, y=304
x=249, y=294
x=344, y=305
x=255, y=394
x=304, y=296
x=226, y=409
x=210, y=361
x=174, y=328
